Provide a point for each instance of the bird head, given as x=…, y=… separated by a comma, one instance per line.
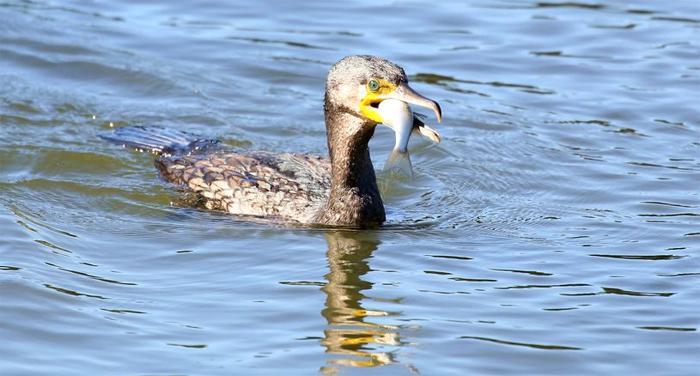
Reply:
x=358, y=84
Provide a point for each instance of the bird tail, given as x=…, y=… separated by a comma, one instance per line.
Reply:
x=161, y=141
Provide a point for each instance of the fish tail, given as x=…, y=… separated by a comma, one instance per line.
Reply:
x=157, y=140
x=400, y=162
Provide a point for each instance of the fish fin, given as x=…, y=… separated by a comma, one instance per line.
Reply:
x=159, y=140
x=399, y=162
x=420, y=128
x=428, y=132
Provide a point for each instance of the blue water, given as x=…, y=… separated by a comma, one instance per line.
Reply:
x=554, y=230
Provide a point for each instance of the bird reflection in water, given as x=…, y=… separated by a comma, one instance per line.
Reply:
x=351, y=339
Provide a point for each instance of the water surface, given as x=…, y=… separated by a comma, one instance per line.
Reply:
x=555, y=230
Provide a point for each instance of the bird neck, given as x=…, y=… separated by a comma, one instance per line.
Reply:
x=354, y=198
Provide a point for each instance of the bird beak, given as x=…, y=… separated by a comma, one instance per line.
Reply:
x=405, y=93
x=370, y=102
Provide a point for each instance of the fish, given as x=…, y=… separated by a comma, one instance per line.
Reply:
x=397, y=115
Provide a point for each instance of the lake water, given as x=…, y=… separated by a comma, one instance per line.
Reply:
x=555, y=230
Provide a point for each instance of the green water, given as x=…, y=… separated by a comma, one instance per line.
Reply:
x=555, y=230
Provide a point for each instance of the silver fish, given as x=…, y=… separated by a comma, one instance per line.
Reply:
x=398, y=116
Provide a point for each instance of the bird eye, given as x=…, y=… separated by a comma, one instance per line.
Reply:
x=373, y=85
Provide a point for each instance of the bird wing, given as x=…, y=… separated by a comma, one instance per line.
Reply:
x=288, y=186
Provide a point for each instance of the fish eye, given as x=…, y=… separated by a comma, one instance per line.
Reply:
x=373, y=85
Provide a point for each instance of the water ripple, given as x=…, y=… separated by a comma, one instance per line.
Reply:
x=73, y=292
x=523, y=344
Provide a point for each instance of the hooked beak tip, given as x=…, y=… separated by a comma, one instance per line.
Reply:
x=407, y=94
